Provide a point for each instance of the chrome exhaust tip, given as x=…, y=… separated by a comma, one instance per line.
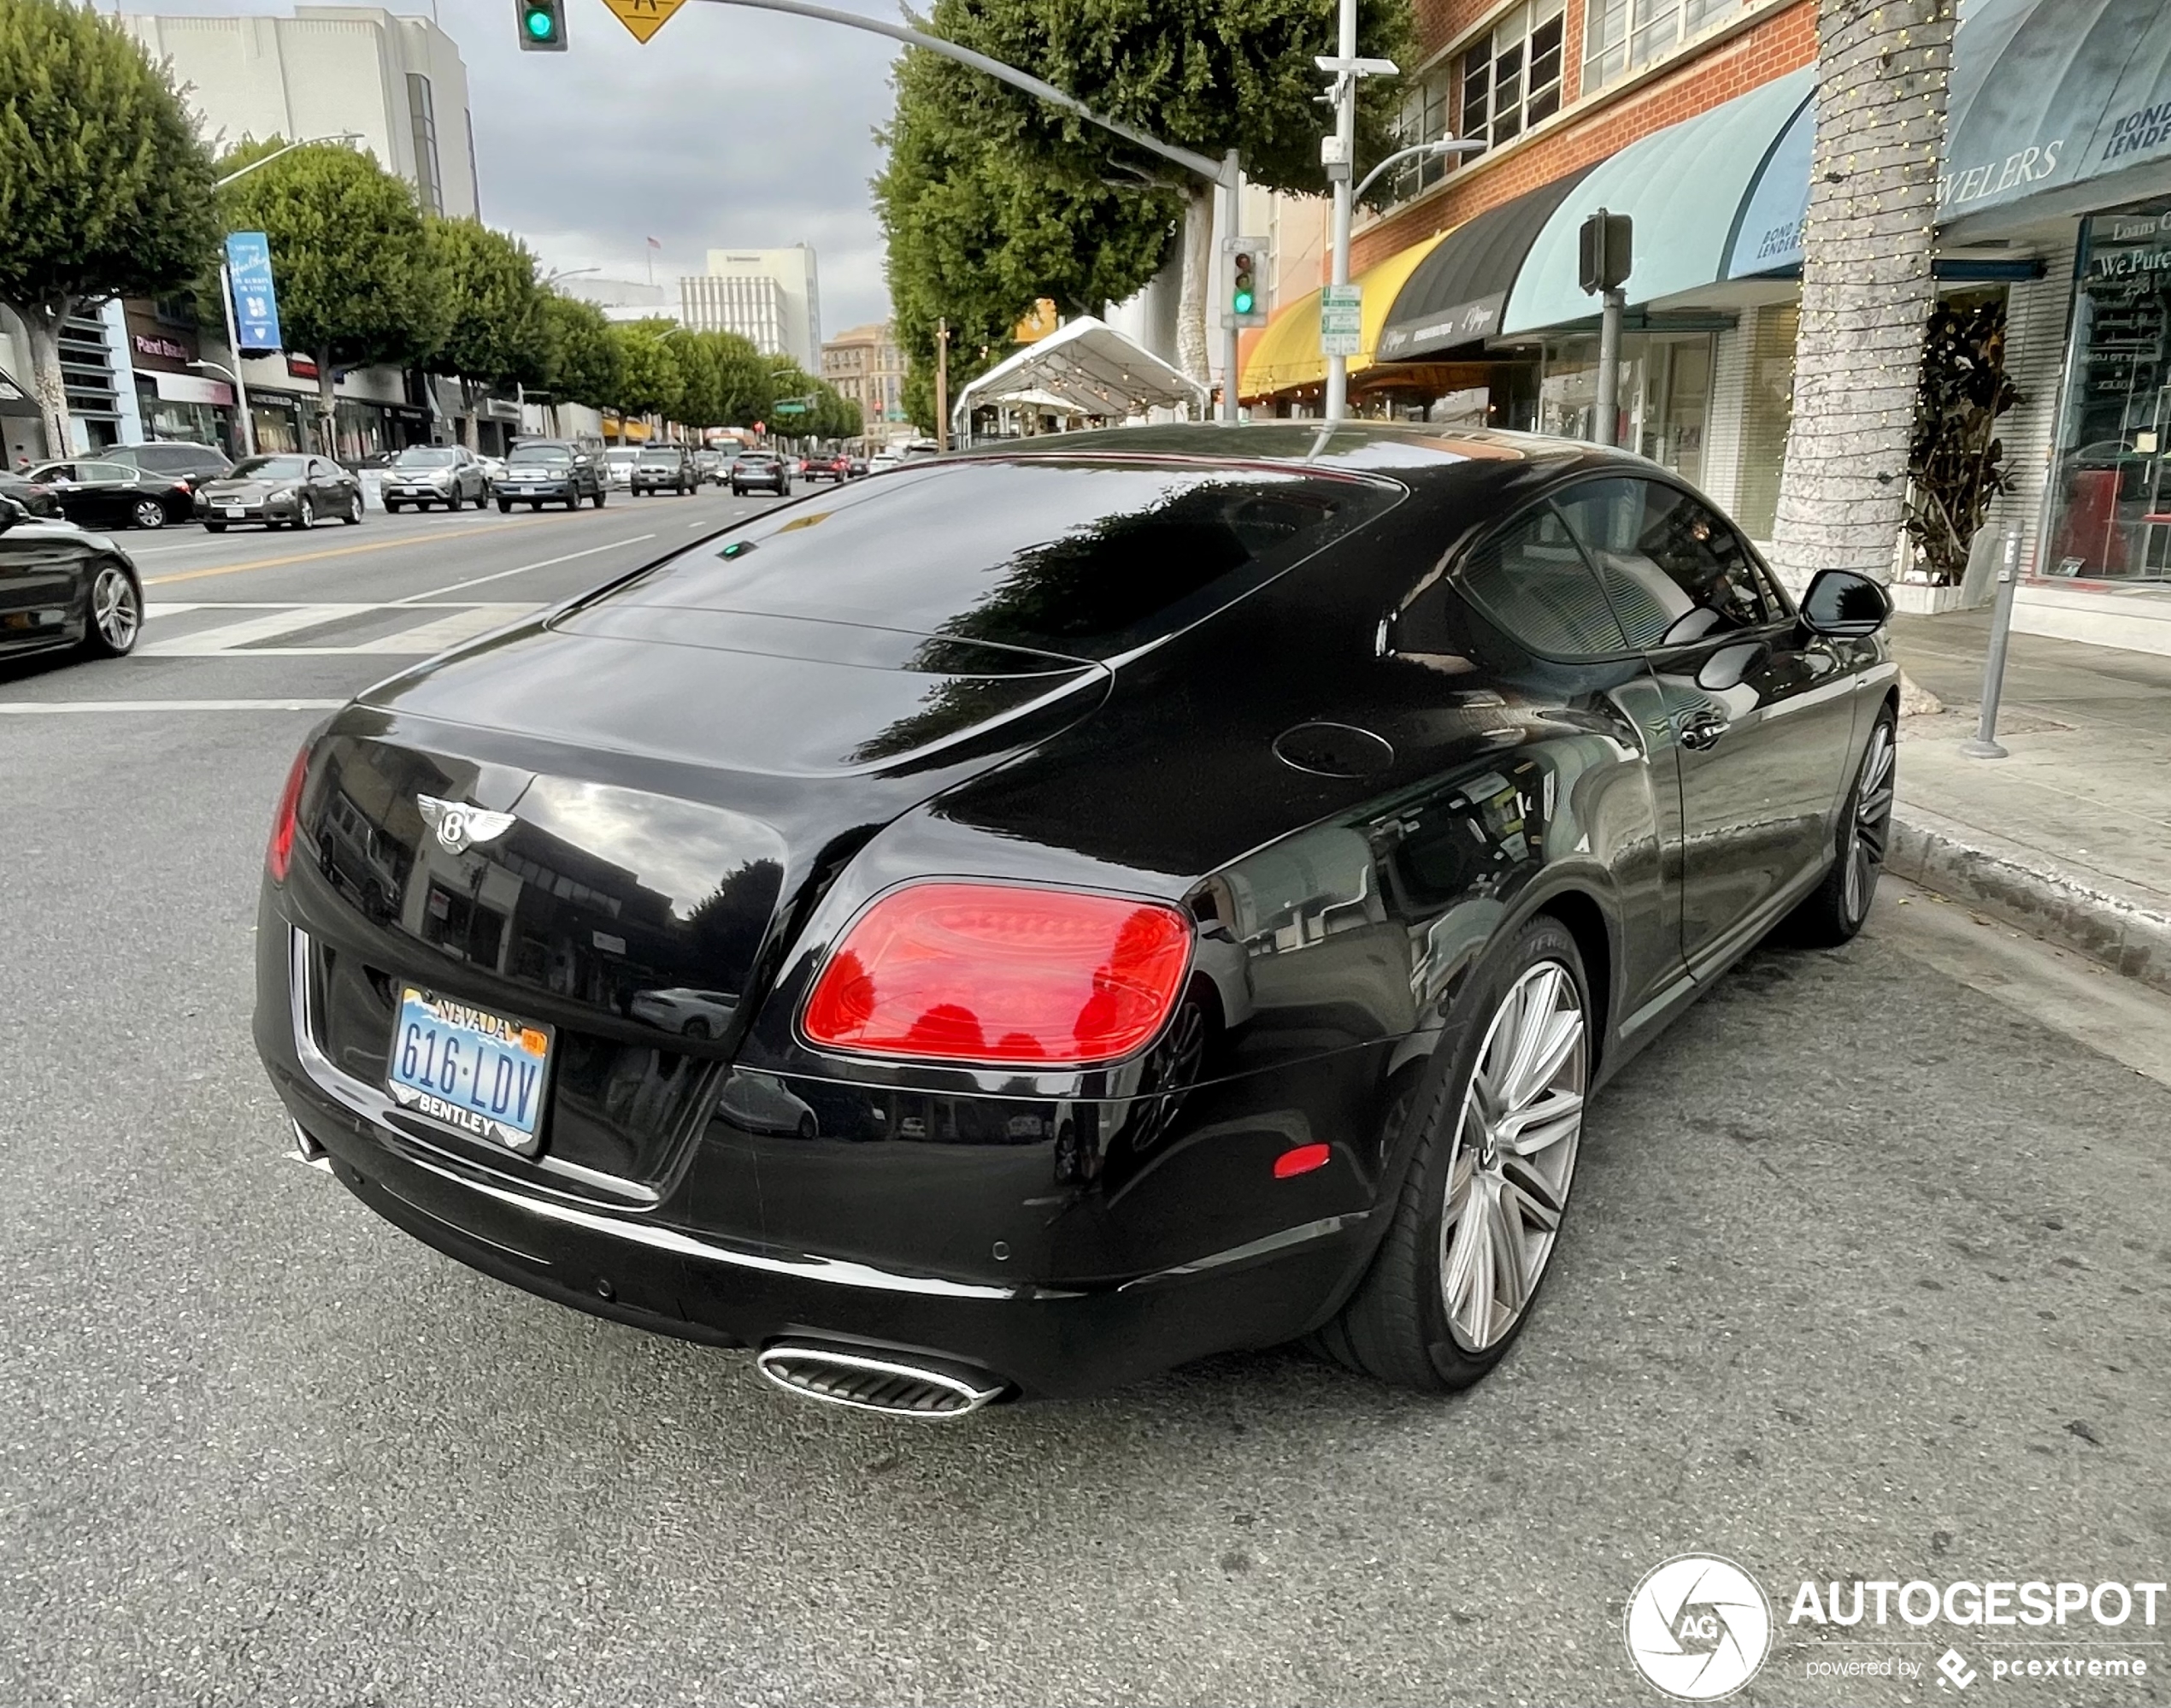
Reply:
x=896, y=1385
x=307, y=1151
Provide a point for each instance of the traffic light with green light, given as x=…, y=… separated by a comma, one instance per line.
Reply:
x=542, y=24
x=1247, y=301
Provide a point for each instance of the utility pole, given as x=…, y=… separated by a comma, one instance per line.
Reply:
x=1337, y=365
x=1232, y=225
x=942, y=384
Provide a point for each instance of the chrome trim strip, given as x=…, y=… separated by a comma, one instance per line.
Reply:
x=971, y=1395
x=1302, y=1233
x=364, y=1101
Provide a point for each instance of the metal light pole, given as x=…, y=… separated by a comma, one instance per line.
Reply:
x=340, y=137
x=1338, y=366
x=942, y=385
x=1231, y=226
x=240, y=390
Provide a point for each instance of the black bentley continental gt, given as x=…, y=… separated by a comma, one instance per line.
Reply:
x=1151, y=892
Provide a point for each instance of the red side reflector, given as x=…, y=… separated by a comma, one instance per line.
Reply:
x=1001, y=974
x=1302, y=1160
x=281, y=850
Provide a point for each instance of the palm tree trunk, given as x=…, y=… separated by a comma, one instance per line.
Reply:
x=47, y=384
x=1198, y=266
x=1867, y=292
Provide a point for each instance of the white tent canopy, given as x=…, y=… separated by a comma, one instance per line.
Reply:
x=1085, y=366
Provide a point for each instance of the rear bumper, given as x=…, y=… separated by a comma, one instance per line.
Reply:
x=1048, y=1343
x=664, y=1266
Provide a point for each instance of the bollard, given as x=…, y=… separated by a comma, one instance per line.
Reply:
x=1984, y=744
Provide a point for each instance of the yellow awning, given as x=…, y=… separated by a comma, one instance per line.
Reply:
x=1288, y=356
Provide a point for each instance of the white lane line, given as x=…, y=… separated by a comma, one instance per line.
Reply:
x=37, y=707
x=439, y=593
x=227, y=636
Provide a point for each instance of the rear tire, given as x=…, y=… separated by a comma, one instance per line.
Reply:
x=392, y=506
x=1836, y=909
x=215, y=527
x=149, y=513
x=1477, y=1219
x=504, y=507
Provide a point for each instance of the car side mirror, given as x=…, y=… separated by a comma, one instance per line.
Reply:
x=1842, y=604
x=11, y=512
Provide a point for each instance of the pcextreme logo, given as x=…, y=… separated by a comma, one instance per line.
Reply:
x=1699, y=1626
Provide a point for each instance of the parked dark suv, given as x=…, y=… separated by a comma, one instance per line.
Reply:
x=541, y=471
x=665, y=469
x=762, y=468
x=176, y=459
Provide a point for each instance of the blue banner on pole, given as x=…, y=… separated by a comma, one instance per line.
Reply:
x=255, y=303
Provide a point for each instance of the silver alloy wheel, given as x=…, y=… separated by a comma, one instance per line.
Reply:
x=1870, y=828
x=113, y=608
x=150, y=513
x=306, y=517
x=1514, y=1153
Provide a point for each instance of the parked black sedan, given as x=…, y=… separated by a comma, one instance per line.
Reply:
x=34, y=497
x=1171, y=890
x=98, y=494
x=286, y=489
x=63, y=588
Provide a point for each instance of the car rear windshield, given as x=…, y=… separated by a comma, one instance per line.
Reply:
x=272, y=468
x=1085, y=557
x=424, y=456
x=540, y=453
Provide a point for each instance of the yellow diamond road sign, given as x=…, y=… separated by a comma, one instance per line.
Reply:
x=644, y=17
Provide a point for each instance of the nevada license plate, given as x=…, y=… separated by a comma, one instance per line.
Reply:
x=472, y=1069
x=237, y=510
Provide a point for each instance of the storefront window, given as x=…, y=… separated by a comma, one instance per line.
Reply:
x=2110, y=503
x=1768, y=406
x=1664, y=395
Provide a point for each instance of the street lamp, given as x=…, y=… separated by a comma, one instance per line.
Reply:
x=341, y=137
x=1442, y=145
x=241, y=400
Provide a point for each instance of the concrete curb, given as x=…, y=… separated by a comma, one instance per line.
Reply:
x=2126, y=929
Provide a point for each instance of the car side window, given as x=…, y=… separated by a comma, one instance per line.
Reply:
x=1532, y=579
x=1673, y=568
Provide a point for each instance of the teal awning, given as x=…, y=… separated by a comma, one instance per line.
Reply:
x=1684, y=187
x=2048, y=94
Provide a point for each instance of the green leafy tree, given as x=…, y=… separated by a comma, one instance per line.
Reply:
x=496, y=335
x=650, y=379
x=835, y=415
x=1209, y=74
x=580, y=356
x=104, y=190
x=357, y=281
x=727, y=379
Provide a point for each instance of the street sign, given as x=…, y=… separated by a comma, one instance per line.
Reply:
x=1341, y=319
x=644, y=17
x=788, y=407
x=255, y=303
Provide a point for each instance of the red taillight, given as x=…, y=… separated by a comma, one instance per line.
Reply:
x=1302, y=1161
x=999, y=973
x=281, y=850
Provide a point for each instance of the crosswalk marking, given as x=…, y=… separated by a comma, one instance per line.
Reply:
x=257, y=627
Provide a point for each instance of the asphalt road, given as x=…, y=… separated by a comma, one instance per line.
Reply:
x=1868, y=1276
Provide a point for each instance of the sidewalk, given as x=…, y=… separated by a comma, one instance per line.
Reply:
x=2070, y=836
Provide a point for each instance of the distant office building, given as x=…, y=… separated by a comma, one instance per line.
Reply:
x=767, y=295
x=397, y=83
x=868, y=368
x=621, y=299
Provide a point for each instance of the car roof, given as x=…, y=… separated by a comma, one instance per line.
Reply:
x=1418, y=455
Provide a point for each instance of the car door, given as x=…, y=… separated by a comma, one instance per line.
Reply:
x=1758, y=712
x=42, y=582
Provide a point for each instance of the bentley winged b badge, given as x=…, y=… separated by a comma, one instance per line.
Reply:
x=460, y=826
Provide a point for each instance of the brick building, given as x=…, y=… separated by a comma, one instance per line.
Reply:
x=1696, y=118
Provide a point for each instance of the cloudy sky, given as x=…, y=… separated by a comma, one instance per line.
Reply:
x=731, y=128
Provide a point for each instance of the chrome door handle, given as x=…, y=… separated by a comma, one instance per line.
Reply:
x=1701, y=730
